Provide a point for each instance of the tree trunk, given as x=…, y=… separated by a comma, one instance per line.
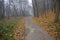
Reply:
x=35, y=7
x=56, y=7
x=1, y=9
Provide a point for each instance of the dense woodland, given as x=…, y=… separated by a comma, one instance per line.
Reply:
x=41, y=7
x=15, y=8
x=46, y=13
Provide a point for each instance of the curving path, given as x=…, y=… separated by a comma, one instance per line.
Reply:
x=34, y=32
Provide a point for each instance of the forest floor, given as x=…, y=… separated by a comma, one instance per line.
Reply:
x=33, y=28
x=34, y=32
x=26, y=29
x=49, y=26
x=6, y=28
x=19, y=30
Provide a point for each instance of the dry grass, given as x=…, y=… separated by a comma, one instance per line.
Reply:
x=47, y=23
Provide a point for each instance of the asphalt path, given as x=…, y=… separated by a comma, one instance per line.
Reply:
x=34, y=32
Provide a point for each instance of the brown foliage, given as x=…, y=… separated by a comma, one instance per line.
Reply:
x=19, y=30
x=47, y=23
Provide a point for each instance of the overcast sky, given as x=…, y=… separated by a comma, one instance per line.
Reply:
x=5, y=0
x=30, y=2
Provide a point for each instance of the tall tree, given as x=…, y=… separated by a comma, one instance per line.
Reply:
x=56, y=11
x=1, y=9
x=35, y=7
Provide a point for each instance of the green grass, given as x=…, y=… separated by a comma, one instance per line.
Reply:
x=6, y=29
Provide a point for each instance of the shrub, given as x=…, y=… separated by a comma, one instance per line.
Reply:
x=6, y=29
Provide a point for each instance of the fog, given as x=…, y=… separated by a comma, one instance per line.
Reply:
x=18, y=8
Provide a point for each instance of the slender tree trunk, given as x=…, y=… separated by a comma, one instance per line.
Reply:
x=34, y=7
x=56, y=7
x=9, y=9
x=37, y=6
x=3, y=10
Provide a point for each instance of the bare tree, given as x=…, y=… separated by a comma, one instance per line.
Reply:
x=34, y=7
x=1, y=9
x=56, y=11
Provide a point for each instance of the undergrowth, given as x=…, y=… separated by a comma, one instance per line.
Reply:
x=47, y=23
x=6, y=29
